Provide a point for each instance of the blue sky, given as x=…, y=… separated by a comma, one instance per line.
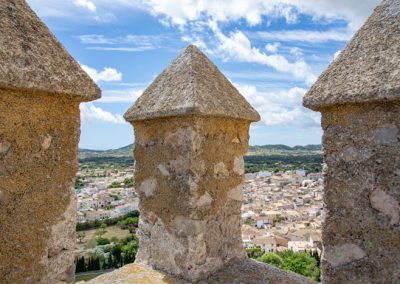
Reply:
x=271, y=50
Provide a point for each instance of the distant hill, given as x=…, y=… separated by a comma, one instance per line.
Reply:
x=283, y=150
x=263, y=150
x=286, y=148
x=258, y=158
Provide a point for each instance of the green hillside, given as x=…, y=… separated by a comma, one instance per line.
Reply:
x=284, y=150
x=263, y=150
x=265, y=157
x=125, y=151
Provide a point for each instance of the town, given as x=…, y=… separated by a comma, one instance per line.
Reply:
x=104, y=194
x=281, y=211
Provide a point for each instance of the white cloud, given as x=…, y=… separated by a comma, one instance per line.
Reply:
x=180, y=12
x=281, y=108
x=106, y=75
x=336, y=54
x=91, y=113
x=96, y=39
x=87, y=4
x=296, y=51
x=272, y=47
x=132, y=43
x=195, y=40
x=120, y=96
x=304, y=35
x=238, y=47
x=125, y=49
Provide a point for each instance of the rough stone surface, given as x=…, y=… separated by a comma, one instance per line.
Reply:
x=386, y=204
x=191, y=84
x=37, y=205
x=367, y=70
x=135, y=274
x=189, y=225
x=361, y=231
x=191, y=131
x=234, y=272
x=343, y=254
x=33, y=59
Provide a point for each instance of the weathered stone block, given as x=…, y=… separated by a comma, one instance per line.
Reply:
x=234, y=272
x=191, y=132
x=41, y=86
x=359, y=98
x=361, y=232
x=37, y=204
x=190, y=223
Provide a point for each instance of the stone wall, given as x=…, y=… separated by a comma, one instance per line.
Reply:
x=190, y=193
x=38, y=161
x=188, y=172
x=361, y=233
x=191, y=132
x=359, y=98
x=41, y=86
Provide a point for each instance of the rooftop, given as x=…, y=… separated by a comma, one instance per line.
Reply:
x=191, y=84
x=367, y=70
x=33, y=59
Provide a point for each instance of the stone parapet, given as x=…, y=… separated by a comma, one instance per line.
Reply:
x=40, y=90
x=32, y=59
x=191, y=132
x=359, y=98
x=361, y=230
x=38, y=162
x=367, y=69
x=234, y=272
x=190, y=193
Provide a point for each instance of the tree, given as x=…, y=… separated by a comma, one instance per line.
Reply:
x=109, y=207
x=80, y=265
x=89, y=266
x=128, y=182
x=301, y=263
x=271, y=258
x=117, y=256
x=277, y=219
x=254, y=252
x=115, y=184
x=102, y=241
x=129, y=222
x=79, y=182
x=315, y=255
x=96, y=264
x=101, y=231
x=80, y=236
x=108, y=263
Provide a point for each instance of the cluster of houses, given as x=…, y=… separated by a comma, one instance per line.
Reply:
x=97, y=201
x=280, y=210
x=283, y=211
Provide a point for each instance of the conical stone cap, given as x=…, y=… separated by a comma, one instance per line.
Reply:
x=368, y=69
x=32, y=59
x=190, y=85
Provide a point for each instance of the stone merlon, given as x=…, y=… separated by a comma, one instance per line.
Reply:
x=32, y=59
x=41, y=87
x=191, y=131
x=359, y=100
x=367, y=70
x=190, y=85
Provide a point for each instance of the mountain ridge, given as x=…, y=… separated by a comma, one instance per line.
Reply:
x=280, y=149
